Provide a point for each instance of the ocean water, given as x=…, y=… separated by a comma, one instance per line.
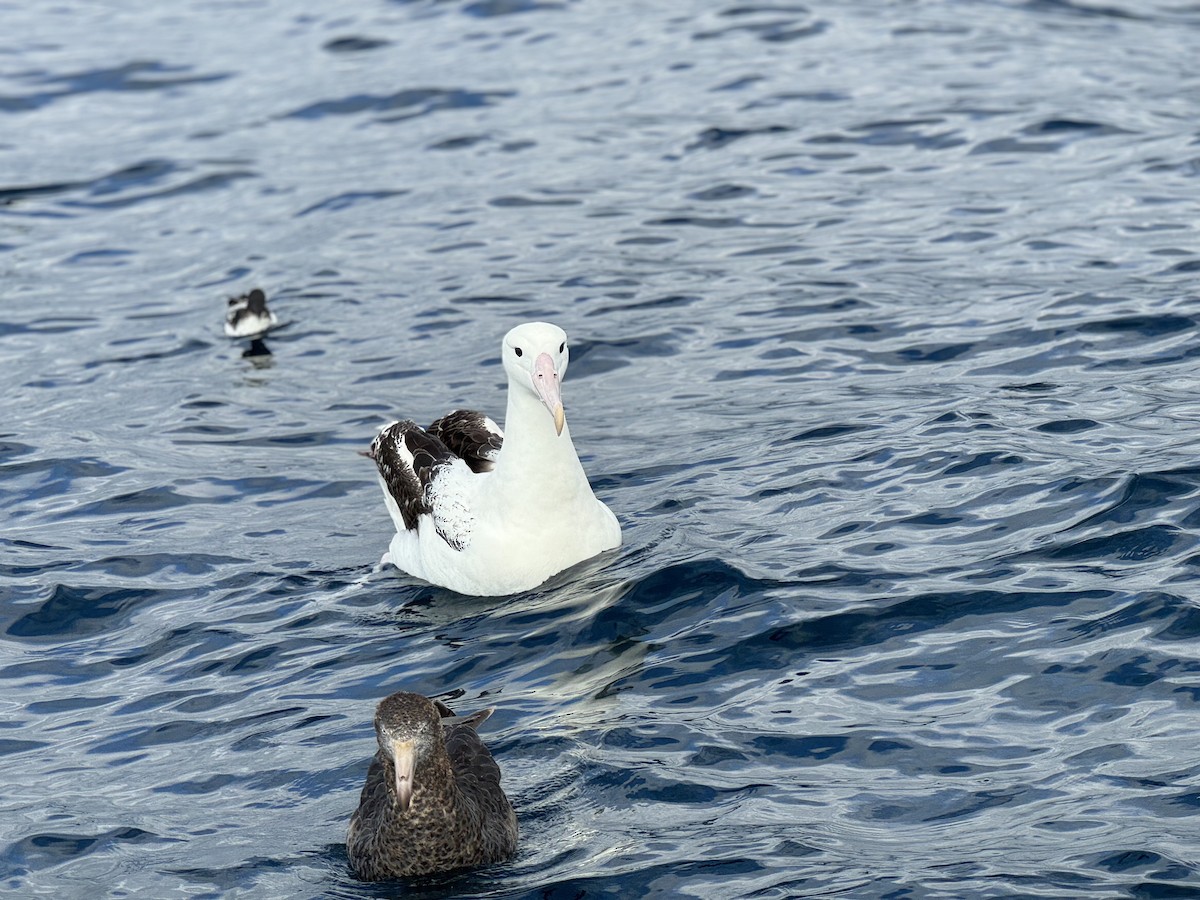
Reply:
x=884, y=319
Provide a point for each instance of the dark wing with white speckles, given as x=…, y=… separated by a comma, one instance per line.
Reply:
x=422, y=476
x=470, y=435
x=402, y=485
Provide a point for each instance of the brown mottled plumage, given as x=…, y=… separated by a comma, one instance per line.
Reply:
x=432, y=801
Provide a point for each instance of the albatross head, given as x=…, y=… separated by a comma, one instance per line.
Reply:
x=409, y=730
x=535, y=355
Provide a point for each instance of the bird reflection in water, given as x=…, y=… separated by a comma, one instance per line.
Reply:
x=259, y=353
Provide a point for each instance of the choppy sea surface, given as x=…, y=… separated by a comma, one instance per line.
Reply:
x=886, y=354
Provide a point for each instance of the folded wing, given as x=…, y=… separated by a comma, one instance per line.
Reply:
x=424, y=477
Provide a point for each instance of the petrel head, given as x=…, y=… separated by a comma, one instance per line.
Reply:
x=409, y=730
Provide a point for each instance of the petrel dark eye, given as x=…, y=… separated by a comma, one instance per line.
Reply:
x=518, y=351
x=562, y=346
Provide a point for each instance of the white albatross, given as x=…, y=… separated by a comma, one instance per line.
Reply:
x=486, y=513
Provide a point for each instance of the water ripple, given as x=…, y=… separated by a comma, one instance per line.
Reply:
x=883, y=353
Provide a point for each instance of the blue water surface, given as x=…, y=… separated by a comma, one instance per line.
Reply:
x=884, y=318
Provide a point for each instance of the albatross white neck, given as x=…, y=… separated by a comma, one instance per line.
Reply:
x=534, y=459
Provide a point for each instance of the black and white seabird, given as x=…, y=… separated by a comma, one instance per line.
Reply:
x=248, y=316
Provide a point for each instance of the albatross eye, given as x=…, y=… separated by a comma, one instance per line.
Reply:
x=518, y=351
x=562, y=346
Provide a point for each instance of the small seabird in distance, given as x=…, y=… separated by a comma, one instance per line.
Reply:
x=248, y=316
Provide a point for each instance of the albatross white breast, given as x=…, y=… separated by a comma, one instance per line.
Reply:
x=484, y=512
